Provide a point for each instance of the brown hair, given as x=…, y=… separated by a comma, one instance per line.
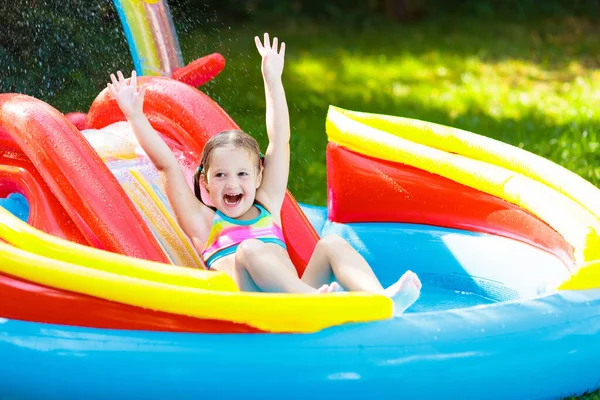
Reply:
x=235, y=138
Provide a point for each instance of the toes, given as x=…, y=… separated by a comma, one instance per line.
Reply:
x=335, y=287
x=323, y=289
x=331, y=288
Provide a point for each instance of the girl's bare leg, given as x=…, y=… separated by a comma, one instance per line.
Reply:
x=335, y=257
x=257, y=267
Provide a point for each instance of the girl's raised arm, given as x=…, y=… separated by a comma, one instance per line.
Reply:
x=277, y=156
x=186, y=208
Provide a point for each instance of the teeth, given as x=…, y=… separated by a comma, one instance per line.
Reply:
x=232, y=198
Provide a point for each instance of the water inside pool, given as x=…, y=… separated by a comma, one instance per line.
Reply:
x=439, y=299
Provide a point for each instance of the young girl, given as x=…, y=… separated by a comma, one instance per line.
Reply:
x=241, y=234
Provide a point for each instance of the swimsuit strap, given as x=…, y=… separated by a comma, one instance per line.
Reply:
x=227, y=233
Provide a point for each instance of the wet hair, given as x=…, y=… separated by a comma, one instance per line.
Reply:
x=234, y=138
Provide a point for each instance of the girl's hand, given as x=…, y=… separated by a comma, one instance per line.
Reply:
x=129, y=98
x=272, y=58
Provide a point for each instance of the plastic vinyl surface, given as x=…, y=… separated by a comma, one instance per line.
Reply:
x=383, y=191
x=72, y=277
x=70, y=308
x=543, y=347
x=151, y=35
x=501, y=352
x=18, y=175
x=202, y=294
x=79, y=119
x=29, y=301
x=576, y=224
x=99, y=207
x=154, y=46
x=200, y=71
x=492, y=267
x=139, y=36
x=164, y=35
x=486, y=149
x=34, y=242
x=586, y=277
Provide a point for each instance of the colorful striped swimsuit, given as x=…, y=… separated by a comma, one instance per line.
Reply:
x=227, y=233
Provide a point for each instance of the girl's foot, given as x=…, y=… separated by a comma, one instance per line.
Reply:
x=404, y=292
x=333, y=287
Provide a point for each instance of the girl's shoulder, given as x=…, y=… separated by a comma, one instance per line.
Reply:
x=264, y=202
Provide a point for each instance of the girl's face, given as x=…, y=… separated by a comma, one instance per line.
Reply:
x=232, y=179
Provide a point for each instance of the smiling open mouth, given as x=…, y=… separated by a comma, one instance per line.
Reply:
x=232, y=199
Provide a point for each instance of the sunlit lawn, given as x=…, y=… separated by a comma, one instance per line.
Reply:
x=533, y=85
x=533, y=90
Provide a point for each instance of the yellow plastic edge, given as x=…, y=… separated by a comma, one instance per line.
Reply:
x=486, y=149
x=27, y=238
x=577, y=225
x=269, y=312
x=586, y=277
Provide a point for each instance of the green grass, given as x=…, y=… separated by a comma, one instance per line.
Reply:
x=532, y=85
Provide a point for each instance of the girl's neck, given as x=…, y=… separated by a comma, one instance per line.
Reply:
x=252, y=213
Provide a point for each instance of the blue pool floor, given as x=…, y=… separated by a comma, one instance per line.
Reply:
x=439, y=299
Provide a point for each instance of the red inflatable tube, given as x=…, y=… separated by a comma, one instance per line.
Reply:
x=188, y=118
x=366, y=189
x=200, y=71
x=28, y=301
x=192, y=114
x=45, y=213
x=78, y=119
x=78, y=178
x=299, y=234
x=18, y=175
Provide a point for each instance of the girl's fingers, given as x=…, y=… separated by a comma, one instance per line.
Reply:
x=142, y=92
x=266, y=45
x=111, y=89
x=133, y=79
x=113, y=79
x=121, y=78
x=259, y=45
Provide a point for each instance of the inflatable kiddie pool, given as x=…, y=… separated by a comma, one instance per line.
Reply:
x=509, y=305
x=102, y=296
